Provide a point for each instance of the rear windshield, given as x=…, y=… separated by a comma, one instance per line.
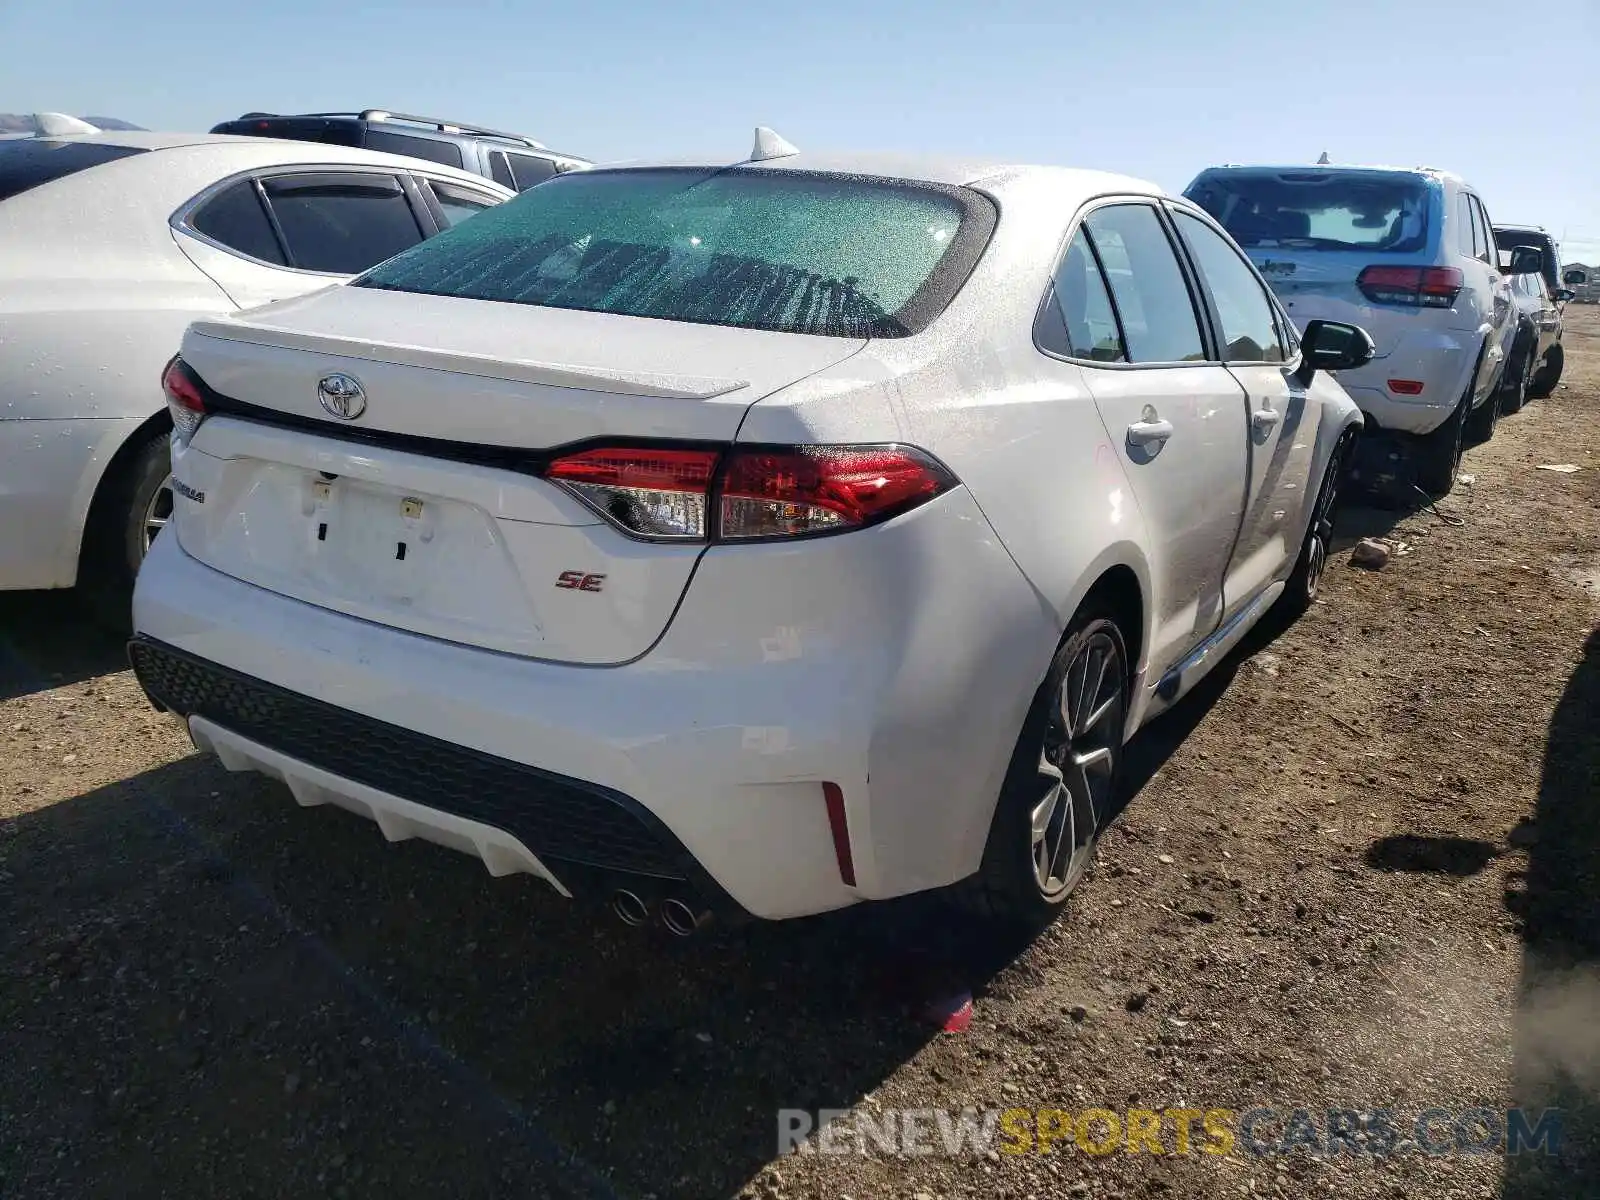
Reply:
x=762, y=249
x=1318, y=210
x=28, y=162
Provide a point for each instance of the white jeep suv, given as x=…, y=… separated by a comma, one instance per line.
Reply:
x=1409, y=255
x=766, y=537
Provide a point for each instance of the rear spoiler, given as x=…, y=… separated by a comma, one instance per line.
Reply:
x=594, y=379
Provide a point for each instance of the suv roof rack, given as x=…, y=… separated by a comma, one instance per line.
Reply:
x=444, y=126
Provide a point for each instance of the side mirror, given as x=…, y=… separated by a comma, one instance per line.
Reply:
x=1526, y=260
x=1563, y=295
x=1332, y=346
x=1575, y=276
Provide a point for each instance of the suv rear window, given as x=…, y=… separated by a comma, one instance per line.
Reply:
x=28, y=162
x=446, y=154
x=762, y=249
x=1318, y=210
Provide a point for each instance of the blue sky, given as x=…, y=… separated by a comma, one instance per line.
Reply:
x=1157, y=89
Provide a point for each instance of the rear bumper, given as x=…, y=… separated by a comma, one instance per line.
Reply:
x=896, y=663
x=1441, y=360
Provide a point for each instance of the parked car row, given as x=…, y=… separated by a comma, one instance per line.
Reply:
x=754, y=538
x=512, y=160
x=1465, y=320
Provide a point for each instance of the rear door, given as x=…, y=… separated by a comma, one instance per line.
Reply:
x=277, y=234
x=1177, y=417
x=1283, y=425
x=1499, y=305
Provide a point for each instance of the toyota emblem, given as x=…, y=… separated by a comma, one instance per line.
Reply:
x=341, y=396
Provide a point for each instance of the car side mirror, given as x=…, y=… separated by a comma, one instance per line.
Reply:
x=1574, y=276
x=1332, y=346
x=1526, y=260
x=1562, y=295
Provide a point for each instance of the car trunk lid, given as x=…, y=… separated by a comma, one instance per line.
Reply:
x=424, y=509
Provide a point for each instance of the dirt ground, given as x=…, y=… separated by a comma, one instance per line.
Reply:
x=1359, y=869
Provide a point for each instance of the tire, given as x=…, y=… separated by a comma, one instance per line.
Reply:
x=1438, y=454
x=1549, y=375
x=126, y=516
x=1481, y=421
x=1306, y=578
x=1519, y=378
x=1060, y=789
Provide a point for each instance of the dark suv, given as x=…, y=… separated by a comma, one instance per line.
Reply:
x=509, y=159
x=1534, y=366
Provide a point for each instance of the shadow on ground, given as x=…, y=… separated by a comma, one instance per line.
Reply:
x=49, y=640
x=206, y=990
x=1557, y=1030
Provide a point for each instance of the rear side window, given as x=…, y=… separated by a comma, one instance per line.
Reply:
x=500, y=171
x=446, y=154
x=1078, y=320
x=342, y=223
x=1471, y=236
x=459, y=203
x=28, y=162
x=235, y=218
x=1373, y=212
x=1152, y=298
x=763, y=249
x=1485, y=236
x=1249, y=326
x=529, y=170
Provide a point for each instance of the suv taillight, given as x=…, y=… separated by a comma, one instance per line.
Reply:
x=748, y=493
x=185, y=400
x=1424, y=287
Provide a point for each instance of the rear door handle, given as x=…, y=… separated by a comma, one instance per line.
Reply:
x=1264, y=420
x=1147, y=433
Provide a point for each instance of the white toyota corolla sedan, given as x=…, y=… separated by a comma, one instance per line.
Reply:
x=759, y=538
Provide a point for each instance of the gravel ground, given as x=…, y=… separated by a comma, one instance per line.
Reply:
x=1358, y=870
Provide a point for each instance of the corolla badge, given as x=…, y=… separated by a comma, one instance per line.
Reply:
x=342, y=396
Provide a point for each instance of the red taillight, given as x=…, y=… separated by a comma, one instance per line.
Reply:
x=1425, y=287
x=820, y=489
x=759, y=491
x=649, y=492
x=1406, y=387
x=185, y=401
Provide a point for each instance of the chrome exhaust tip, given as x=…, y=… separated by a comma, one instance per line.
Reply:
x=629, y=908
x=680, y=919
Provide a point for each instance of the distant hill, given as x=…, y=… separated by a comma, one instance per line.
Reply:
x=23, y=123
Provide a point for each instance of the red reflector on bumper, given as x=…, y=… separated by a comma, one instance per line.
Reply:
x=841, y=832
x=1406, y=387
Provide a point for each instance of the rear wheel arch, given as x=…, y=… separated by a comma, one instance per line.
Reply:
x=158, y=424
x=1120, y=591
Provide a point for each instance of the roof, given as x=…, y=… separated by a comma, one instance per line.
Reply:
x=951, y=170
x=137, y=139
x=273, y=150
x=1375, y=168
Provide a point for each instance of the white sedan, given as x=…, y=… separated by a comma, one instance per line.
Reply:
x=110, y=244
x=761, y=538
